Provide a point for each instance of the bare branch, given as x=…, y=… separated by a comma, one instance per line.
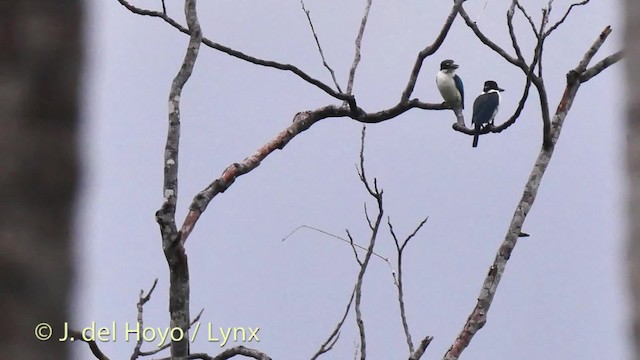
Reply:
x=366, y=212
x=95, y=350
x=363, y=176
x=335, y=335
x=555, y=26
x=315, y=36
x=355, y=252
x=302, y=121
x=172, y=244
x=228, y=354
x=485, y=40
x=337, y=237
x=356, y=58
x=377, y=195
x=242, y=56
x=478, y=316
x=538, y=81
x=142, y=300
x=512, y=33
x=398, y=280
x=535, y=30
x=430, y=50
x=155, y=351
x=514, y=117
x=600, y=66
x=593, y=50
x=416, y=355
x=165, y=346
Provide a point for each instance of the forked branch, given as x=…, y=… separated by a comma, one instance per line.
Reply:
x=478, y=316
x=376, y=194
x=397, y=279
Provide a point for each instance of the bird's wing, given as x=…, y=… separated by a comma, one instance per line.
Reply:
x=460, y=88
x=484, y=107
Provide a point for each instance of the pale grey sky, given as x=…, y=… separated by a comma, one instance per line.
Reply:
x=562, y=296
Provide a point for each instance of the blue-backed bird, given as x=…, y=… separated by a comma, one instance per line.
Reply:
x=450, y=84
x=485, y=107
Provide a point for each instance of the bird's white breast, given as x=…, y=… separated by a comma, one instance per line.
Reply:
x=447, y=87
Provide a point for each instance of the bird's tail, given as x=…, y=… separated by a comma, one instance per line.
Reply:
x=476, y=136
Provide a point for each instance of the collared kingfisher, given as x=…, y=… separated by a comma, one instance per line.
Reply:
x=485, y=108
x=450, y=84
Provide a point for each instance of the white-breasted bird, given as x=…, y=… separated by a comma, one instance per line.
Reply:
x=450, y=84
x=485, y=107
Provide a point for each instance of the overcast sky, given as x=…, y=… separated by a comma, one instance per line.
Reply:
x=562, y=295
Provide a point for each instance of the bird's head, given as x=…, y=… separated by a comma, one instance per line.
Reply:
x=448, y=65
x=491, y=85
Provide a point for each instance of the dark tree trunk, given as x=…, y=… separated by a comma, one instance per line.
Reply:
x=632, y=132
x=40, y=56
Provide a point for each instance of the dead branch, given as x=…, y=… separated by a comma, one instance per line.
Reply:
x=302, y=121
x=478, y=316
x=355, y=251
x=165, y=346
x=385, y=259
x=172, y=245
x=315, y=36
x=416, y=355
x=356, y=58
x=376, y=193
x=228, y=354
x=600, y=66
x=398, y=279
x=335, y=335
x=240, y=55
x=430, y=50
x=555, y=26
x=512, y=33
x=143, y=299
x=95, y=350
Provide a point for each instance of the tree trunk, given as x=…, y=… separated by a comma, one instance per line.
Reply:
x=40, y=54
x=633, y=163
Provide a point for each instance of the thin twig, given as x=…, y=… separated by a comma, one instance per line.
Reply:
x=335, y=335
x=240, y=55
x=315, y=36
x=356, y=58
x=366, y=212
x=512, y=33
x=143, y=299
x=355, y=252
x=485, y=40
x=534, y=29
x=95, y=350
x=385, y=259
x=398, y=279
x=555, y=26
x=538, y=81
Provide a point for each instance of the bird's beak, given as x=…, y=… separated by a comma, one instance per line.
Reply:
x=455, y=66
x=499, y=89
